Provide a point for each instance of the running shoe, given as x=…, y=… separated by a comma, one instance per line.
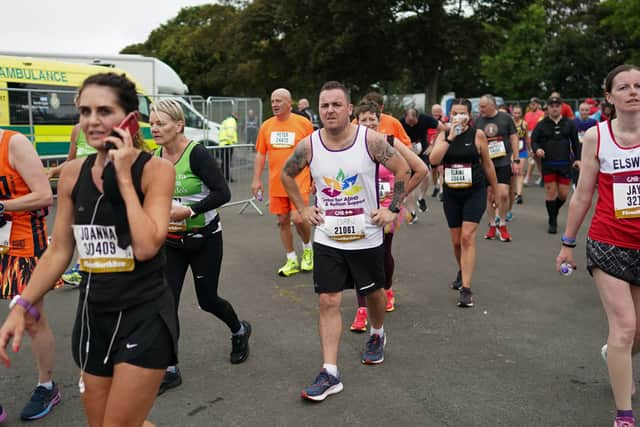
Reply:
x=457, y=283
x=552, y=229
x=422, y=204
x=170, y=380
x=323, y=386
x=526, y=181
x=414, y=218
x=306, y=263
x=504, y=234
x=440, y=196
x=374, y=350
x=3, y=414
x=624, y=422
x=491, y=233
x=391, y=300
x=519, y=200
x=240, y=344
x=465, y=299
x=72, y=276
x=290, y=268
x=509, y=217
x=435, y=192
x=360, y=322
x=41, y=402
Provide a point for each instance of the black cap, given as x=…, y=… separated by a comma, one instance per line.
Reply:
x=554, y=100
x=535, y=99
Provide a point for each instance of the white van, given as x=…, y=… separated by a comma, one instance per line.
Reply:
x=197, y=127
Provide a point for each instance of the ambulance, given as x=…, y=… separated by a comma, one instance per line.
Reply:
x=37, y=100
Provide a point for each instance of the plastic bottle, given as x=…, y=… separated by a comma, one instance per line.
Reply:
x=566, y=269
x=457, y=130
x=259, y=195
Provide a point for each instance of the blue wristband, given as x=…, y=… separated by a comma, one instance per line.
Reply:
x=568, y=242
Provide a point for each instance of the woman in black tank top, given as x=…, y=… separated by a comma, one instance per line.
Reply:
x=114, y=206
x=464, y=154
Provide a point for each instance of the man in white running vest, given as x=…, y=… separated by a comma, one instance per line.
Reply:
x=348, y=247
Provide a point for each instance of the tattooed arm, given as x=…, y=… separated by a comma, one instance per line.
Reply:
x=292, y=167
x=389, y=157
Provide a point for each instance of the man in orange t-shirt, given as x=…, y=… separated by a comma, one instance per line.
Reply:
x=277, y=139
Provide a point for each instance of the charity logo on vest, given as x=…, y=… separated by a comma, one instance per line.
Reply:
x=626, y=195
x=344, y=218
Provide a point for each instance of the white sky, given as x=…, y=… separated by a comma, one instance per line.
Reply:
x=82, y=26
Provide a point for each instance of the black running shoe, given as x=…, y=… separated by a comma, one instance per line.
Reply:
x=41, y=402
x=519, y=199
x=240, y=344
x=422, y=204
x=170, y=380
x=435, y=192
x=465, y=299
x=553, y=229
x=457, y=283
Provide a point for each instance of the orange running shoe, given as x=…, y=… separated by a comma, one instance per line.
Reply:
x=504, y=234
x=360, y=322
x=491, y=234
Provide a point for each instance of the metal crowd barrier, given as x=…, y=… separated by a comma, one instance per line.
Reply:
x=236, y=162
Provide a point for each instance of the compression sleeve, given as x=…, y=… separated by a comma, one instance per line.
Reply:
x=205, y=167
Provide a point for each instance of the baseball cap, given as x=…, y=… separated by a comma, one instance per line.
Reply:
x=554, y=100
x=590, y=101
x=535, y=99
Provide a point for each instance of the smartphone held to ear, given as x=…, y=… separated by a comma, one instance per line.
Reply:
x=131, y=123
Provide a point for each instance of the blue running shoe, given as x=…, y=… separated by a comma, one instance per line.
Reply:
x=509, y=216
x=3, y=414
x=323, y=386
x=41, y=402
x=374, y=350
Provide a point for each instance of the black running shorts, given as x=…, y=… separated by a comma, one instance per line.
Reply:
x=503, y=174
x=146, y=337
x=335, y=270
x=621, y=263
x=464, y=205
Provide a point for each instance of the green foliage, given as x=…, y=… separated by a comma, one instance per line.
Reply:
x=513, y=48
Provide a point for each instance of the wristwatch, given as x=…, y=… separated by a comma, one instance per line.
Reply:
x=394, y=209
x=516, y=161
x=28, y=307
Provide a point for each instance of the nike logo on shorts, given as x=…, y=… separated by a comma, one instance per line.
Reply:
x=130, y=346
x=368, y=286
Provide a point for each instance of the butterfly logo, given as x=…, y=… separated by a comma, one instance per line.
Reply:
x=341, y=185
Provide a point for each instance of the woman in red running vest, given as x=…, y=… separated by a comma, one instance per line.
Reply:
x=611, y=159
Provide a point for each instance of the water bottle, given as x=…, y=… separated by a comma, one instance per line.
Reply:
x=259, y=195
x=566, y=269
x=457, y=129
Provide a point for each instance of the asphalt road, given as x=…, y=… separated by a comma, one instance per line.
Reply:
x=528, y=354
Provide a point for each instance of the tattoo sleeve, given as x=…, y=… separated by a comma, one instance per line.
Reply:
x=382, y=151
x=398, y=195
x=297, y=161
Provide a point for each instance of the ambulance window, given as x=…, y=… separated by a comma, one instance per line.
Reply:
x=50, y=105
x=143, y=108
x=191, y=119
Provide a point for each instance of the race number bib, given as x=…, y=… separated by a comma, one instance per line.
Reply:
x=626, y=195
x=496, y=149
x=283, y=139
x=177, y=226
x=581, y=136
x=520, y=144
x=98, y=250
x=344, y=225
x=384, y=189
x=458, y=175
x=5, y=238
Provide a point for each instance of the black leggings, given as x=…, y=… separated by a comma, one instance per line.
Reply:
x=205, y=260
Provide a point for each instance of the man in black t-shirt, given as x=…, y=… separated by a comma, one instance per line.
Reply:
x=502, y=138
x=555, y=141
x=416, y=126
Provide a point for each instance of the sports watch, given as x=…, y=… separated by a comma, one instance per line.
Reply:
x=394, y=209
x=28, y=307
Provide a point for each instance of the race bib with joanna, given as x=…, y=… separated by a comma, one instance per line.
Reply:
x=98, y=250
